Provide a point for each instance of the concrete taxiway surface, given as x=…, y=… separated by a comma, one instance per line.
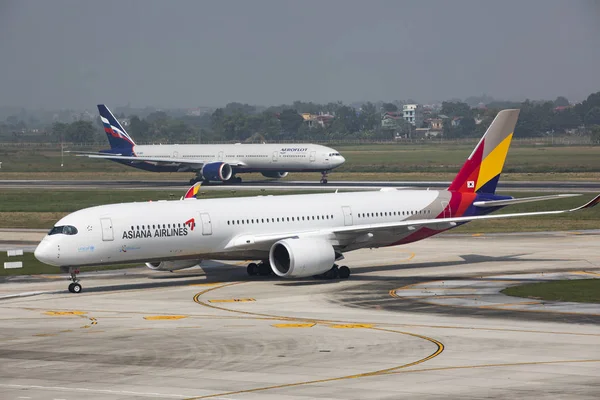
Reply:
x=215, y=333
x=554, y=186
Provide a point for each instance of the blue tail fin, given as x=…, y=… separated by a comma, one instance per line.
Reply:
x=117, y=136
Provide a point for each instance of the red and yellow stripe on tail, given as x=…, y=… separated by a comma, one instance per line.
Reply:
x=481, y=172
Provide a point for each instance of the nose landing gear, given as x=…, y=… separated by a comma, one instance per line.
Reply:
x=324, y=176
x=74, y=287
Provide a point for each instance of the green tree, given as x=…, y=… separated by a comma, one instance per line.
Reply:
x=595, y=134
x=290, y=121
x=81, y=132
x=592, y=117
x=140, y=129
x=561, y=101
x=270, y=126
x=58, y=132
x=389, y=107
x=369, y=118
x=456, y=109
x=565, y=119
x=345, y=122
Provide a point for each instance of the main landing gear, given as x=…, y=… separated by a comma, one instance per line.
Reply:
x=262, y=269
x=336, y=272
x=324, y=176
x=74, y=287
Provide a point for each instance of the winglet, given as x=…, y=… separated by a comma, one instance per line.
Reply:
x=192, y=191
x=589, y=204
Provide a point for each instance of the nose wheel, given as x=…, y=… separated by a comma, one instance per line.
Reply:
x=74, y=287
x=324, y=177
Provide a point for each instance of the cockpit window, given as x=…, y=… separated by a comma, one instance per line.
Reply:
x=65, y=230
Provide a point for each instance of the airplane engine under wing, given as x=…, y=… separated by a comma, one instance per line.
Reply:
x=276, y=174
x=298, y=258
x=216, y=171
x=172, y=265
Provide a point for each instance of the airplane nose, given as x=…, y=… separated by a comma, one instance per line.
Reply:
x=43, y=252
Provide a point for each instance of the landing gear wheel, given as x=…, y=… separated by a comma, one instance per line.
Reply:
x=324, y=177
x=252, y=269
x=333, y=273
x=264, y=269
x=75, y=287
x=323, y=181
x=344, y=272
x=237, y=179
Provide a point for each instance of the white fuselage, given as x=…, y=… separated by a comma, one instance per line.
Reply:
x=249, y=157
x=219, y=228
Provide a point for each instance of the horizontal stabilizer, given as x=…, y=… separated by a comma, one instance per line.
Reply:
x=510, y=202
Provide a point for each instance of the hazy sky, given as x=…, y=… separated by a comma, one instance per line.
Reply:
x=180, y=53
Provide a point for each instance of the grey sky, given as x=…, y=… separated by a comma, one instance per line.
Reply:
x=180, y=53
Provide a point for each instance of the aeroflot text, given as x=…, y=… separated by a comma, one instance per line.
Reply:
x=295, y=149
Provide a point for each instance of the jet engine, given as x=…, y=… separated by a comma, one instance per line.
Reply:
x=216, y=171
x=298, y=258
x=271, y=174
x=172, y=265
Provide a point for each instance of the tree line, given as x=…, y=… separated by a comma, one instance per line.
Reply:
x=244, y=122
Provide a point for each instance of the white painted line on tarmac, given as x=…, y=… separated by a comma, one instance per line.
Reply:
x=107, y=391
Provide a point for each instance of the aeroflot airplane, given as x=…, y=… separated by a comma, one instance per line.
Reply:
x=215, y=162
x=293, y=236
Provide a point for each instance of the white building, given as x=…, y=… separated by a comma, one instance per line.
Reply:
x=413, y=114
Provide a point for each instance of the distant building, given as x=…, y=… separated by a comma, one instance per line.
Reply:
x=436, y=124
x=314, y=120
x=389, y=119
x=413, y=114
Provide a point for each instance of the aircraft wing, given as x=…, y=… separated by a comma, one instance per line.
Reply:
x=437, y=222
x=509, y=202
x=346, y=233
x=191, y=162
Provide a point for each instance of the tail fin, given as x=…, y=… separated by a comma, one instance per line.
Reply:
x=481, y=172
x=192, y=192
x=117, y=136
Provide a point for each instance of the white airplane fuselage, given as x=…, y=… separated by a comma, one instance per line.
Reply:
x=222, y=228
x=242, y=157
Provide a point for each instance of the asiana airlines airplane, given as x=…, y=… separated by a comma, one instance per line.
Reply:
x=293, y=236
x=215, y=162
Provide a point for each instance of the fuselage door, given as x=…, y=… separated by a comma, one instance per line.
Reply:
x=275, y=156
x=107, y=229
x=313, y=156
x=220, y=157
x=206, y=224
x=347, y=215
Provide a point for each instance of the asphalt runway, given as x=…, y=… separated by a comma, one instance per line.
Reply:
x=550, y=186
x=422, y=321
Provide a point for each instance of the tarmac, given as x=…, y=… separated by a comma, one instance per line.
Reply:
x=182, y=185
x=421, y=321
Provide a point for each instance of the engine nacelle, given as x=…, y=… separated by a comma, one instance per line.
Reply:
x=216, y=171
x=272, y=174
x=172, y=265
x=298, y=258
